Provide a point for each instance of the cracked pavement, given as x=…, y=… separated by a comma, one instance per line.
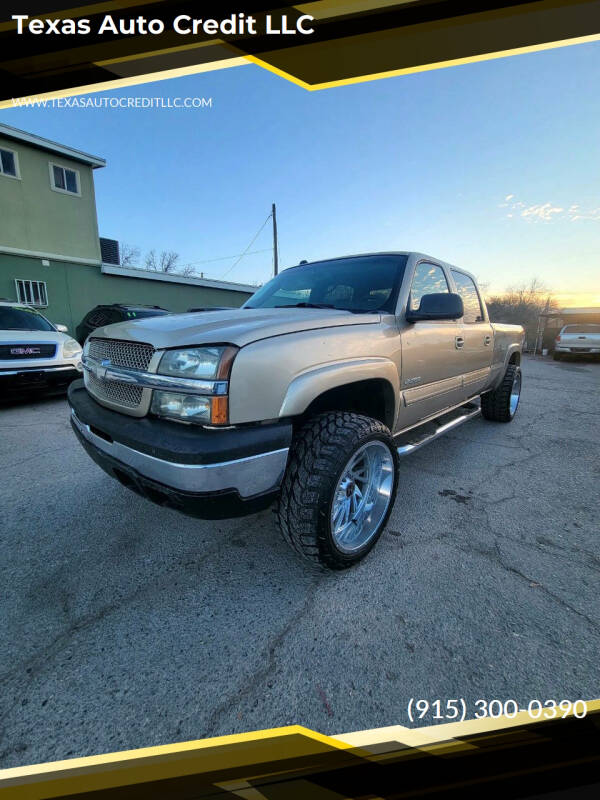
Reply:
x=127, y=625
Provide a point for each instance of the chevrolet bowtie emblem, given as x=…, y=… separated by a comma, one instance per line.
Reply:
x=100, y=369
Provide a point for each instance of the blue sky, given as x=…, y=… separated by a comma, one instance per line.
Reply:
x=493, y=166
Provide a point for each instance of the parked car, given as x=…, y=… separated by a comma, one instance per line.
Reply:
x=35, y=355
x=582, y=339
x=308, y=395
x=209, y=308
x=116, y=312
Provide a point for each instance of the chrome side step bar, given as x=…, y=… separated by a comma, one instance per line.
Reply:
x=415, y=439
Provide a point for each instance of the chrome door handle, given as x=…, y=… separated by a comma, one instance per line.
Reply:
x=459, y=341
x=487, y=340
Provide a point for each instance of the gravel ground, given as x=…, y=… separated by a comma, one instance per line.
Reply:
x=127, y=625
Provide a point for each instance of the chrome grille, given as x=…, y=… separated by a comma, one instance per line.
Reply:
x=124, y=394
x=135, y=355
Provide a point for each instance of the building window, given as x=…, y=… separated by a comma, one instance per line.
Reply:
x=65, y=180
x=9, y=164
x=32, y=293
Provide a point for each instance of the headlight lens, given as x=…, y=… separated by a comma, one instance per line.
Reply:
x=71, y=348
x=193, y=362
x=186, y=407
x=210, y=363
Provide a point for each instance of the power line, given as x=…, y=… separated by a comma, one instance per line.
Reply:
x=227, y=258
x=248, y=248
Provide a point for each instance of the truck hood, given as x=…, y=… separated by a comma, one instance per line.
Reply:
x=236, y=326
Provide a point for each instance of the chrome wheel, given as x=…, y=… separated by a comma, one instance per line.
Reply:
x=362, y=496
x=515, y=393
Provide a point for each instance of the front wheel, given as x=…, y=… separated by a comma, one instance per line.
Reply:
x=339, y=488
x=501, y=404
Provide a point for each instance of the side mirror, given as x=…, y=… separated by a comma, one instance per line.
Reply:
x=62, y=328
x=443, y=305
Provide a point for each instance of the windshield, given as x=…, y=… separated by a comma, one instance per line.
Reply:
x=21, y=318
x=357, y=284
x=591, y=328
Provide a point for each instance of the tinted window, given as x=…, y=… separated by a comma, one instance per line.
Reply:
x=15, y=318
x=467, y=290
x=139, y=313
x=97, y=318
x=362, y=283
x=428, y=279
x=591, y=328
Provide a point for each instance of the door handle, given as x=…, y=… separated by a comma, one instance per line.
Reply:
x=459, y=341
x=487, y=340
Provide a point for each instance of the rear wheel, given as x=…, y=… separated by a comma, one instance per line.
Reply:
x=556, y=356
x=338, y=490
x=502, y=403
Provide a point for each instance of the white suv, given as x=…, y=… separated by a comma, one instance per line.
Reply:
x=34, y=353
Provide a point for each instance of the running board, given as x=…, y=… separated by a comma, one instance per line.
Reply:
x=416, y=438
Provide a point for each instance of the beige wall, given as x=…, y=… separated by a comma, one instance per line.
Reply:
x=34, y=217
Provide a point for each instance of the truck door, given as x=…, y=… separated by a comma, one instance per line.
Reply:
x=477, y=335
x=432, y=364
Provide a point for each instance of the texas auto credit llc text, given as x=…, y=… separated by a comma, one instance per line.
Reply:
x=234, y=25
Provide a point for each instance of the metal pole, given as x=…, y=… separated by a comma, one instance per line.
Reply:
x=275, y=248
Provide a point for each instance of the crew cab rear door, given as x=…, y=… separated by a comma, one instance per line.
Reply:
x=476, y=336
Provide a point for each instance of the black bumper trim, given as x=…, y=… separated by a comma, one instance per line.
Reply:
x=182, y=444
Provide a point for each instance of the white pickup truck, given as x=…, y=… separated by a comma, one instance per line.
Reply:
x=307, y=395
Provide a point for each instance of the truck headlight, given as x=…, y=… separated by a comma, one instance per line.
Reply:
x=210, y=363
x=71, y=348
x=186, y=407
x=193, y=362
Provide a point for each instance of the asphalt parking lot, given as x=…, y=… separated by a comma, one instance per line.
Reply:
x=127, y=625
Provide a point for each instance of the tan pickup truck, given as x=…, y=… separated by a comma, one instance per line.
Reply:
x=308, y=395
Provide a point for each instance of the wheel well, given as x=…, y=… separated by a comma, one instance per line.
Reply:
x=515, y=358
x=373, y=398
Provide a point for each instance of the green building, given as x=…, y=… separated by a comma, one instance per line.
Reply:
x=51, y=255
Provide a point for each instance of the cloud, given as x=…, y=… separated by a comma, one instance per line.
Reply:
x=547, y=212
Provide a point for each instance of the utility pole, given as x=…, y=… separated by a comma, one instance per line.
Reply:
x=275, y=251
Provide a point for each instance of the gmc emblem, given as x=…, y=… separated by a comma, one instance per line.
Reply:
x=24, y=351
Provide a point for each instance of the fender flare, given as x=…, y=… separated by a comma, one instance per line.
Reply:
x=309, y=385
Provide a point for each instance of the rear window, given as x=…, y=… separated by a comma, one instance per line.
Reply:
x=139, y=313
x=590, y=328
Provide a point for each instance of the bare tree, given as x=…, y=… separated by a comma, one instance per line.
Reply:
x=165, y=261
x=522, y=305
x=129, y=255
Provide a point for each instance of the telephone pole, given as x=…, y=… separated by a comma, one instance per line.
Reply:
x=275, y=249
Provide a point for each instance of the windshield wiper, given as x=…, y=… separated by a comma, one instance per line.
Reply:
x=310, y=305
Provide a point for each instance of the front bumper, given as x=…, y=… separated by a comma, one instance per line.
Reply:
x=211, y=474
x=30, y=379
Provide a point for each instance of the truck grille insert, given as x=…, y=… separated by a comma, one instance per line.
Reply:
x=133, y=355
x=121, y=393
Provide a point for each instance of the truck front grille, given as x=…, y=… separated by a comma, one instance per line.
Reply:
x=122, y=394
x=133, y=355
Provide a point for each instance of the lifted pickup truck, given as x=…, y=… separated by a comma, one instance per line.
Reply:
x=307, y=395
